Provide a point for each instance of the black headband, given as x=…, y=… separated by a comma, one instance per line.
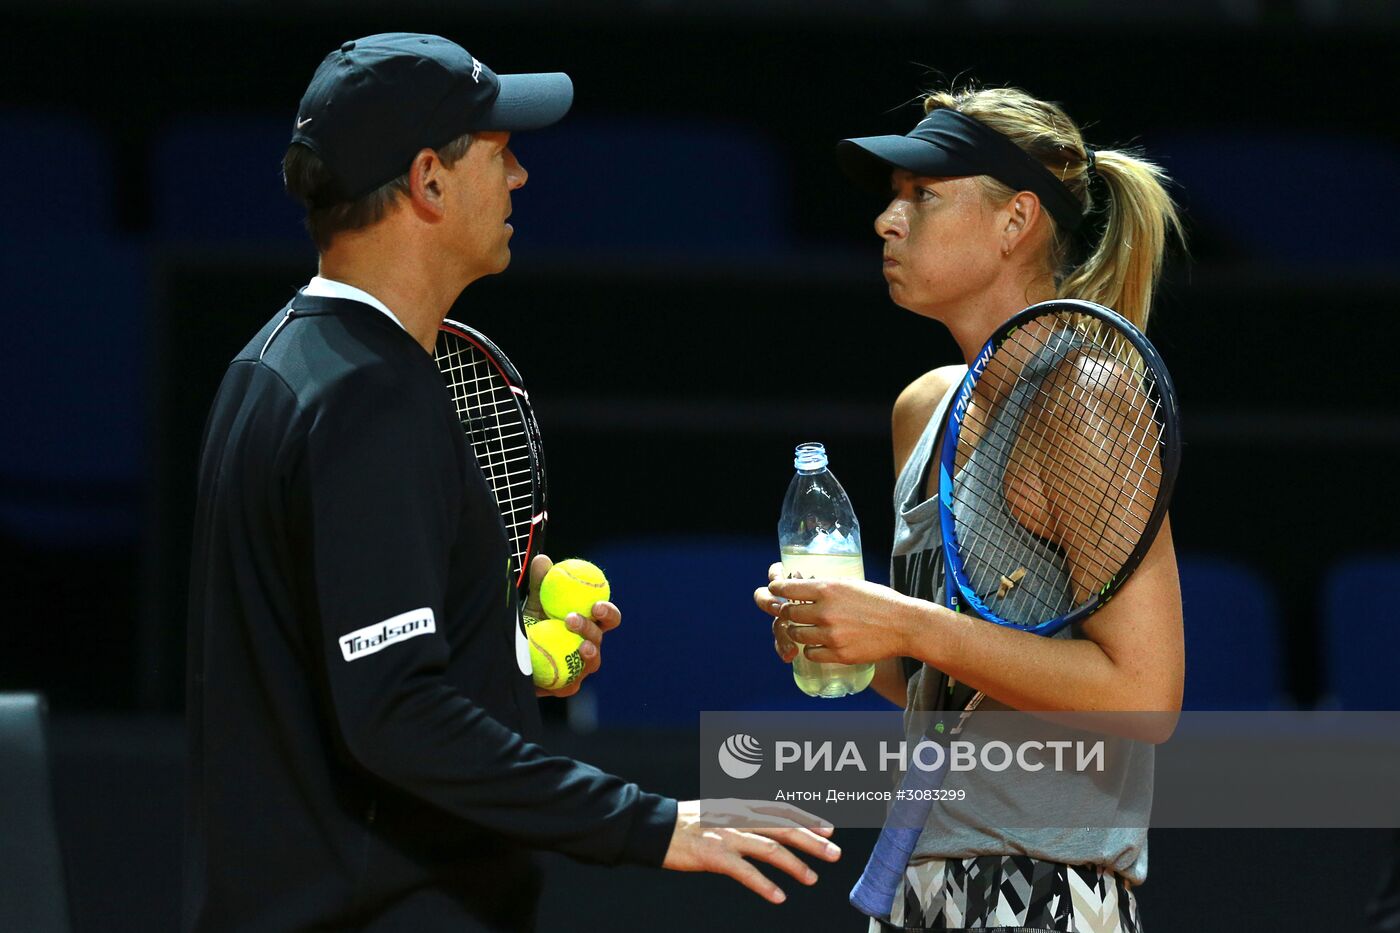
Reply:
x=951, y=144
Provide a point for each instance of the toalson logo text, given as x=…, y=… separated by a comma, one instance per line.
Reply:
x=366, y=641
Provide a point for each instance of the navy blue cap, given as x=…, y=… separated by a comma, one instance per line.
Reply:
x=951, y=144
x=375, y=102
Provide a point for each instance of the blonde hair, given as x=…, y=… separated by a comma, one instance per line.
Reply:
x=1123, y=268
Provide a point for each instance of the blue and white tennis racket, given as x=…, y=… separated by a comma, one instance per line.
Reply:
x=1059, y=454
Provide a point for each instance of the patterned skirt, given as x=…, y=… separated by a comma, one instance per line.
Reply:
x=1011, y=893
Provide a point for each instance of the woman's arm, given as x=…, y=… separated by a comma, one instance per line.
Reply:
x=912, y=410
x=1132, y=658
x=890, y=682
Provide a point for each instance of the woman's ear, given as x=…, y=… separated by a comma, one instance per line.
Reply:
x=1020, y=215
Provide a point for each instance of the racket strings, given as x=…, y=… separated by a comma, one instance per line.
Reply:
x=994, y=544
x=1098, y=521
x=988, y=558
x=990, y=555
x=497, y=432
x=1069, y=422
x=989, y=544
x=1099, y=518
x=1126, y=456
x=1124, y=460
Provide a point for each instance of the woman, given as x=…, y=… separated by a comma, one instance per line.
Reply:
x=997, y=203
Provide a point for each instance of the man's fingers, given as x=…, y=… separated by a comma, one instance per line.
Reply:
x=591, y=651
x=760, y=815
x=721, y=835
x=592, y=633
x=592, y=658
x=607, y=615
x=775, y=571
x=538, y=568
x=750, y=877
x=805, y=840
x=799, y=817
x=770, y=850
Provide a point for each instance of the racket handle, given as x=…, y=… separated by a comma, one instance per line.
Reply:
x=874, y=893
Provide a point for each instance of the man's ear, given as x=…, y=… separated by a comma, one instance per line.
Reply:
x=427, y=184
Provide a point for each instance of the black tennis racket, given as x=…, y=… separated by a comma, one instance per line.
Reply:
x=495, y=412
x=1059, y=453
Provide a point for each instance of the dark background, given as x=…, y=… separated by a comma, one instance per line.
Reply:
x=694, y=290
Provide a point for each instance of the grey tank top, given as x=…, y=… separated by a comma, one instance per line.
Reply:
x=1119, y=798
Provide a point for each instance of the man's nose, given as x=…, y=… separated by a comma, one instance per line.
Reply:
x=516, y=175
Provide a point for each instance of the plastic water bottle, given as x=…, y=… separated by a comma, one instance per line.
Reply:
x=819, y=538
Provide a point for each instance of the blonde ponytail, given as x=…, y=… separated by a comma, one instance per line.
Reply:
x=1137, y=218
x=1124, y=266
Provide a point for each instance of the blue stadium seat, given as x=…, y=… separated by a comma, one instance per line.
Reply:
x=1230, y=182
x=691, y=638
x=59, y=169
x=1360, y=636
x=651, y=188
x=1233, y=637
x=218, y=178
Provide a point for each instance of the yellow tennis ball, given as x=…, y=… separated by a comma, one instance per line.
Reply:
x=573, y=586
x=555, y=661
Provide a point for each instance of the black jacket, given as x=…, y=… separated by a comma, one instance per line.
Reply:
x=357, y=714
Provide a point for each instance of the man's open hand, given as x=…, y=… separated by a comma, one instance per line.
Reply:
x=720, y=835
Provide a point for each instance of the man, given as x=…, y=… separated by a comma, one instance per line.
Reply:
x=389, y=788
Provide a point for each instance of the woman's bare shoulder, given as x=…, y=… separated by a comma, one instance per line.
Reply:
x=916, y=404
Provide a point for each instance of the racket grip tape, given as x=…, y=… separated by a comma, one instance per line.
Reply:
x=874, y=893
